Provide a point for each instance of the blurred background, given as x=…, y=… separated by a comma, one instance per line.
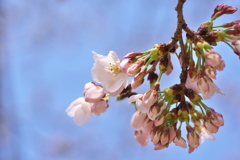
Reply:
x=46, y=59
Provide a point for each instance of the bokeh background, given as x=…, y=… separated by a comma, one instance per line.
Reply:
x=45, y=55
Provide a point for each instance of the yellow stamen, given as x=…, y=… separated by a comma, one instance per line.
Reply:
x=114, y=69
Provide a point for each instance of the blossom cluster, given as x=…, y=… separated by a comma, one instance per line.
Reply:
x=161, y=113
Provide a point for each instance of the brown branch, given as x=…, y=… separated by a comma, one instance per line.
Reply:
x=181, y=24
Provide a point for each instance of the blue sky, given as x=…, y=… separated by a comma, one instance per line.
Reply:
x=47, y=61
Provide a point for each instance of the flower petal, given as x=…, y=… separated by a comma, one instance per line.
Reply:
x=74, y=106
x=114, y=56
x=115, y=83
x=96, y=56
x=82, y=115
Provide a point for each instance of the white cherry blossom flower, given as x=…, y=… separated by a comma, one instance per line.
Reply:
x=80, y=110
x=107, y=70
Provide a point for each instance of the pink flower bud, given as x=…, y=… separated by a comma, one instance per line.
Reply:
x=236, y=44
x=141, y=138
x=159, y=146
x=215, y=117
x=156, y=137
x=223, y=9
x=164, y=137
x=179, y=141
x=231, y=24
x=149, y=98
x=190, y=149
x=159, y=121
x=236, y=26
x=221, y=66
x=172, y=134
x=203, y=86
x=93, y=93
x=147, y=126
x=139, y=78
x=99, y=107
x=210, y=72
x=132, y=54
x=169, y=68
x=125, y=64
x=133, y=70
x=138, y=119
x=193, y=139
x=136, y=83
x=213, y=58
x=211, y=127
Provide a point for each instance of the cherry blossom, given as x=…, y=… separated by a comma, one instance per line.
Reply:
x=80, y=111
x=106, y=70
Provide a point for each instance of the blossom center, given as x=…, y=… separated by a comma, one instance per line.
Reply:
x=114, y=69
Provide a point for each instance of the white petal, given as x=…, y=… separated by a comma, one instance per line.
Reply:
x=82, y=116
x=96, y=56
x=113, y=94
x=133, y=98
x=100, y=70
x=115, y=83
x=114, y=56
x=74, y=106
x=141, y=107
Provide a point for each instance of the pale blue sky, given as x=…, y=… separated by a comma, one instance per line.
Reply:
x=47, y=61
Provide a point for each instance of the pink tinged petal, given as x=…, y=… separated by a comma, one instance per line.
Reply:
x=149, y=98
x=114, y=56
x=132, y=54
x=159, y=147
x=159, y=121
x=221, y=66
x=113, y=94
x=116, y=82
x=137, y=120
x=203, y=86
x=82, y=115
x=94, y=94
x=133, y=70
x=210, y=72
x=99, y=74
x=172, y=134
x=88, y=86
x=101, y=70
x=190, y=149
x=147, y=126
x=125, y=64
x=97, y=56
x=211, y=127
x=156, y=138
x=164, y=138
x=180, y=142
x=153, y=112
x=169, y=68
x=99, y=107
x=213, y=87
x=193, y=139
x=192, y=84
x=133, y=98
x=206, y=134
x=141, y=107
x=135, y=84
x=139, y=104
x=141, y=138
x=75, y=105
x=217, y=120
